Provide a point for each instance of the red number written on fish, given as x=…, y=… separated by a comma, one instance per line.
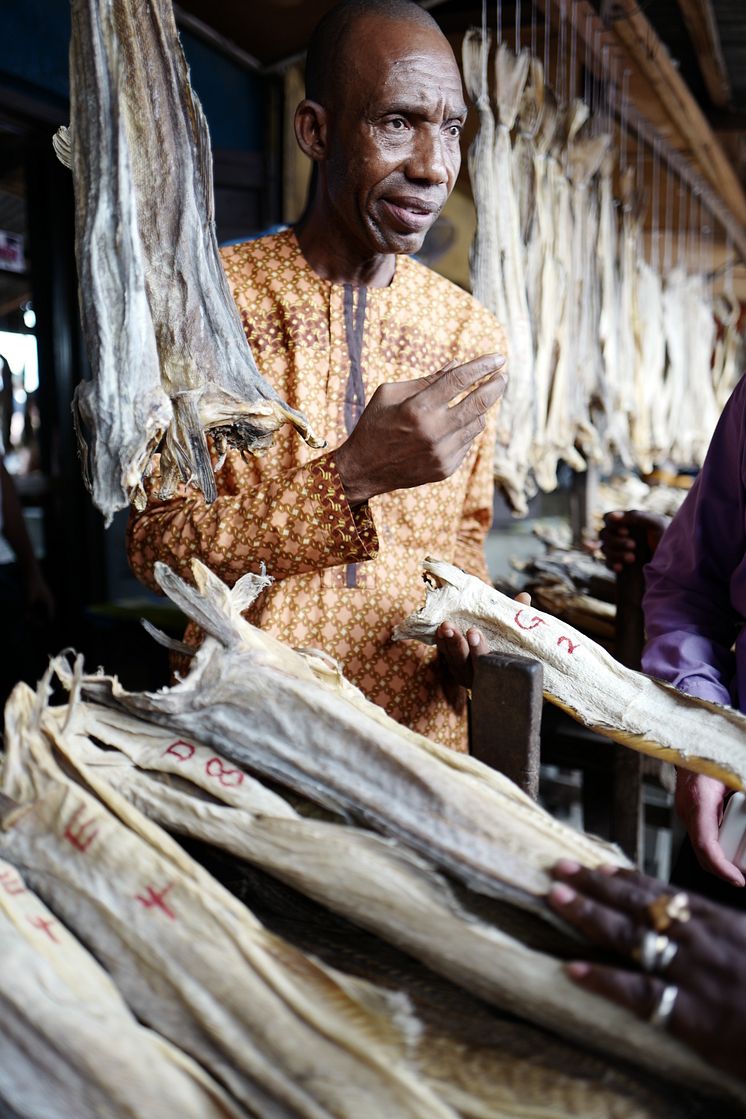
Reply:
x=181, y=750
x=215, y=767
x=45, y=925
x=80, y=835
x=155, y=900
x=537, y=621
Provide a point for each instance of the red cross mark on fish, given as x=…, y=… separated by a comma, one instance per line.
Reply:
x=215, y=767
x=45, y=924
x=80, y=835
x=180, y=750
x=154, y=900
x=11, y=883
x=570, y=647
x=535, y=621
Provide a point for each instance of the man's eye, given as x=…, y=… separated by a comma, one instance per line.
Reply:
x=398, y=124
x=455, y=129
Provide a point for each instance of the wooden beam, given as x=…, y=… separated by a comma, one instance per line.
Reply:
x=703, y=31
x=651, y=57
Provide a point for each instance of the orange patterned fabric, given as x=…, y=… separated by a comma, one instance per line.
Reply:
x=344, y=578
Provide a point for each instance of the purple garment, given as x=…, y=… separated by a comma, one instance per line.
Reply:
x=695, y=602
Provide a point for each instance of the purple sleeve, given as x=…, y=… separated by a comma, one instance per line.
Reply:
x=697, y=579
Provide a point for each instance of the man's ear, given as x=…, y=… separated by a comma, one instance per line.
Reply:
x=311, y=129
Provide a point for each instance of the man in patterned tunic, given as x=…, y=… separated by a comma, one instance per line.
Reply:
x=394, y=365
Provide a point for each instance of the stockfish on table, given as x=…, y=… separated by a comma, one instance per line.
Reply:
x=293, y=720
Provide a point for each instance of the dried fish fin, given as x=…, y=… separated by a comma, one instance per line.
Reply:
x=635, y=710
x=62, y=144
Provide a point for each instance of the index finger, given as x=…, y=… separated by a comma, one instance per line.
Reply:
x=449, y=383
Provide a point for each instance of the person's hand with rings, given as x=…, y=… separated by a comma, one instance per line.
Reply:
x=683, y=965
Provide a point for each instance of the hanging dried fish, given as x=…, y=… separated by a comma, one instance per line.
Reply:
x=169, y=357
x=484, y=257
x=516, y=422
x=586, y=681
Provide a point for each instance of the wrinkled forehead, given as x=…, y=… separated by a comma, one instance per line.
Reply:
x=388, y=62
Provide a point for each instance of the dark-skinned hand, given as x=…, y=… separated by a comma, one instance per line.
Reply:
x=630, y=537
x=458, y=652
x=610, y=907
x=412, y=432
x=699, y=803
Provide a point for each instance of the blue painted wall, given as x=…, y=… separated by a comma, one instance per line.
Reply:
x=34, y=38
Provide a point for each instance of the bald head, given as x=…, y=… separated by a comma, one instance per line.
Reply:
x=325, y=59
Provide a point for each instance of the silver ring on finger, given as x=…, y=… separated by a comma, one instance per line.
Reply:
x=656, y=952
x=663, y=1009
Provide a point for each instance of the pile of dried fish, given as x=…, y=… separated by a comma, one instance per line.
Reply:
x=448, y=1054
x=586, y=681
x=169, y=357
x=90, y=778
x=615, y=353
x=438, y=811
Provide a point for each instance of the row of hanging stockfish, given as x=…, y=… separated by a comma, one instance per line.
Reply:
x=611, y=356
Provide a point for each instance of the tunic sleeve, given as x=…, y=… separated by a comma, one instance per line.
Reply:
x=294, y=522
x=690, y=618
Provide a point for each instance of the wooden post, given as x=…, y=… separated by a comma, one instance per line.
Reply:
x=505, y=717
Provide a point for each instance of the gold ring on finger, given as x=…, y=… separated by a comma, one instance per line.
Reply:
x=667, y=908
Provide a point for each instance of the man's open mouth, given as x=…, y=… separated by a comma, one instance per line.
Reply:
x=411, y=214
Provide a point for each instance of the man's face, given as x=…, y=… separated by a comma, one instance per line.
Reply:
x=394, y=135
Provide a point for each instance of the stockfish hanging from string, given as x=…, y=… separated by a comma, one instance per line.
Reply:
x=169, y=358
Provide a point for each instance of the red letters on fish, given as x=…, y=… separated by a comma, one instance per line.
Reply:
x=570, y=647
x=154, y=900
x=215, y=767
x=11, y=883
x=82, y=838
x=535, y=621
x=181, y=750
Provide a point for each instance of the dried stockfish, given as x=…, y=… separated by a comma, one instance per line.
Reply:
x=169, y=357
x=322, y=738
x=530, y=123
x=585, y=156
x=615, y=397
x=270, y=1024
x=68, y=1036
x=375, y=883
x=484, y=257
x=586, y=681
x=652, y=366
x=516, y=421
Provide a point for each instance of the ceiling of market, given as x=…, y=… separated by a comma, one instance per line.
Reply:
x=274, y=31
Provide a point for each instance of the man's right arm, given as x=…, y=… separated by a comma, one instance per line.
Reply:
x=317, y=516
x=294, y=522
